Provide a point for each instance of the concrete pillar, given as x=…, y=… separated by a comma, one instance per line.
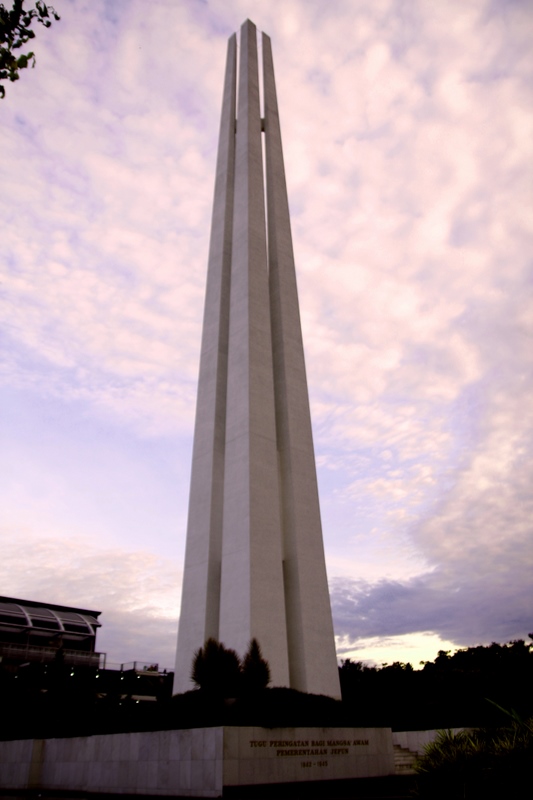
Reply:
x=200, y=603
x=252, y=602
x=312, y=658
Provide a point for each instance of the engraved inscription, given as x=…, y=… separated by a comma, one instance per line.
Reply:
x=286, y=748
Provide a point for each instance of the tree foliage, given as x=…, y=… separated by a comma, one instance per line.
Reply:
x=255, y=671
x=449, y=692
x=216, y=669
x=15, y=33
x=488, y=762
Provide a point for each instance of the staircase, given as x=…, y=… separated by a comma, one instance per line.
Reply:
x=404, y=760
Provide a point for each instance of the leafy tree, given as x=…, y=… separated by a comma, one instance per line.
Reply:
x=216, y=669
x=15, y=32
x=255, y=670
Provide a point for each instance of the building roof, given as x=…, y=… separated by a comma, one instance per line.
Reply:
x=29, y=614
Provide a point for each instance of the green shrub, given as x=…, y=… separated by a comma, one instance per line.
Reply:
x=489, y=762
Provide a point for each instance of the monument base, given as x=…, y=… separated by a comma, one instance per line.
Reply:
x=198, y=762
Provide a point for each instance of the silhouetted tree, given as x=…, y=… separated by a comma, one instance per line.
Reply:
x=255, y=669
x=15, y=32
x=448, y=692
x=216, y=669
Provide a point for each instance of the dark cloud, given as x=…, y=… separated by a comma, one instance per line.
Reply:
x=475, y=611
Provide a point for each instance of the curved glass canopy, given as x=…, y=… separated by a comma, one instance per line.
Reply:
x=61, y=619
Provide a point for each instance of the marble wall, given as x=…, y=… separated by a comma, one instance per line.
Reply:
x=187, y=762
x=197, y=762
x=415, y=741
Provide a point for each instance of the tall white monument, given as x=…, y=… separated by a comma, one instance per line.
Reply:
x=254, y=562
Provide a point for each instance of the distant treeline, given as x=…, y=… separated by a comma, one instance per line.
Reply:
x=452, y=691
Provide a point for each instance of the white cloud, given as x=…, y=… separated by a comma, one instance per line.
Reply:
x=410, y=648
x=407, y=135
x=136, y=592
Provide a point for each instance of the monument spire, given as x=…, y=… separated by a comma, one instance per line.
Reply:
x=254, y=563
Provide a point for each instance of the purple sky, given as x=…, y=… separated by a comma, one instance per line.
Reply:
x=408, y=138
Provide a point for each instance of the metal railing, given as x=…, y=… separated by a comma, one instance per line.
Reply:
x=139, y=666
x=32, y=652
x=48, y=655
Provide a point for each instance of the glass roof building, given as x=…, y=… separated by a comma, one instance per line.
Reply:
x=39, y=631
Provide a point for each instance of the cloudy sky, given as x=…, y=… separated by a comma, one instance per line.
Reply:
x=408, y=131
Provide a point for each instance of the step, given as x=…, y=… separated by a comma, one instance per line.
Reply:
x=404, y=760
